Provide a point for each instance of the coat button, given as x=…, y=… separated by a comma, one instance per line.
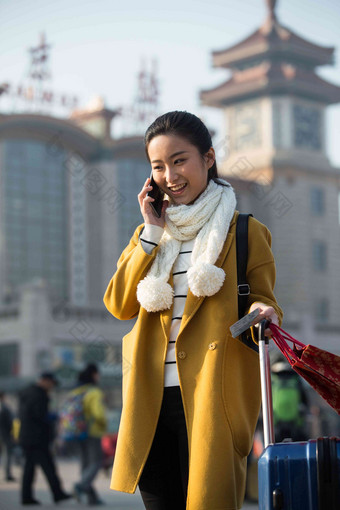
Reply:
x=212, y=346
x=182, y=354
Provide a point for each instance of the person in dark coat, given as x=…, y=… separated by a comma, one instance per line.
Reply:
x=6, y=440
x=34, y=438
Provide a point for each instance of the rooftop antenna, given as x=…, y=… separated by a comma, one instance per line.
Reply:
x=145, y=107
x=39, y=72
x=39, y=60
x=32, y=93
x=147, y=97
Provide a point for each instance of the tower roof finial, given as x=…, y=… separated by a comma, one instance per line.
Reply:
x=271, y=24
x=271, y=4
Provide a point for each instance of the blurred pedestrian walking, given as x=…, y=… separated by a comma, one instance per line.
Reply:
x=6, y=438
x=86, y=426
x=35, y=435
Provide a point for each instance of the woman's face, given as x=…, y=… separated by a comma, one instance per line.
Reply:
x=178, y=167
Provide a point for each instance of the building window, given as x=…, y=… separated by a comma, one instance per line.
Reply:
x=322, y=311
x=9, y=359
x=319, y=252
x=277, y=125
x=35, y=208
x=307, y=127
x=317, y=201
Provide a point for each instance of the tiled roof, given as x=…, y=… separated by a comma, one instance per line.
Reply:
x=273, y=38
x=272, y=77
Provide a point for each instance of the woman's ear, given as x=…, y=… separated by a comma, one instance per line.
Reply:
x=210, y=158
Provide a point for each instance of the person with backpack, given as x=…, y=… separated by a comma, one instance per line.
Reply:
x=191, y=392
x=6, y=439
x=289, y=403
x=85, y=412
x=35, y=439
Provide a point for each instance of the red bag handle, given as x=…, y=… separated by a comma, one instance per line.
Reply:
x=285, y=336
x=281, y=337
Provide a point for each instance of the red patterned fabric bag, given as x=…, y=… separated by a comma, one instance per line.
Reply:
x=321, y=369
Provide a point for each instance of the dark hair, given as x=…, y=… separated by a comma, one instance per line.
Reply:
x=187, y=125
x=86, y=376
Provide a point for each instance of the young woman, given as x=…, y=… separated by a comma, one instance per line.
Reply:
x=191, y=392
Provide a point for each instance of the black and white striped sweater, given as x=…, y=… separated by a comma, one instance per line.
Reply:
x=150, y=238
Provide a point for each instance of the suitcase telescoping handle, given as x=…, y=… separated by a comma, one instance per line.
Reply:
x=266, y=385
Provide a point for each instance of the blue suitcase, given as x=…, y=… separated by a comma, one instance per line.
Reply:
x=294, y=476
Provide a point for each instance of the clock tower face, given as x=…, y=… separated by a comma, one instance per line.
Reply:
x=307, y=127
x=247, y=126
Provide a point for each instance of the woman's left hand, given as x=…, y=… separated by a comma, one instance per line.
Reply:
x=266, y=312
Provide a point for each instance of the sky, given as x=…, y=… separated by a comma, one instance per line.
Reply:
x=98, y=46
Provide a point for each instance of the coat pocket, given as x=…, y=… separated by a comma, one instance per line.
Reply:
x=241, y=393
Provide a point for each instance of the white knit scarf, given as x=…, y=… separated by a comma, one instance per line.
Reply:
x=207, y=219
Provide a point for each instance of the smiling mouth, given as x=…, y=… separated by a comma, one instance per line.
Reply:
x=177, y=189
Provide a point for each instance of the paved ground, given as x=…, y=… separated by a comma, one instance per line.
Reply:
x=9, y=492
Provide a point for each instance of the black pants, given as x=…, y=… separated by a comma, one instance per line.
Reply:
x=39, y=457
x=163, y=483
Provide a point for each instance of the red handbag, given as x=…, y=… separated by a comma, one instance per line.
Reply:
x=321, y=369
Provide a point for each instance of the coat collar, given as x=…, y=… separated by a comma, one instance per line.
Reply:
x=193, y=303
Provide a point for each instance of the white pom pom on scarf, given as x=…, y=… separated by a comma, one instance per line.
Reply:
x=155, y=294
x=205, y=279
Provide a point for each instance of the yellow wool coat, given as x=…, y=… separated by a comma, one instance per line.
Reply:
x=219, y=375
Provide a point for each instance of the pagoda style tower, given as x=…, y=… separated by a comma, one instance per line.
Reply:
x=274, y=101
x=274, y=105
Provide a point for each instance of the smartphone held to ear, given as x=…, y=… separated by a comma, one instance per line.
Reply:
x=158, y=195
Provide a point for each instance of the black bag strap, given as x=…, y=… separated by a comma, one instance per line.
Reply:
x=243, y=289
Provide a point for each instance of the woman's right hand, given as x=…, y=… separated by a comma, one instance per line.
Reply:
x=146, y=209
